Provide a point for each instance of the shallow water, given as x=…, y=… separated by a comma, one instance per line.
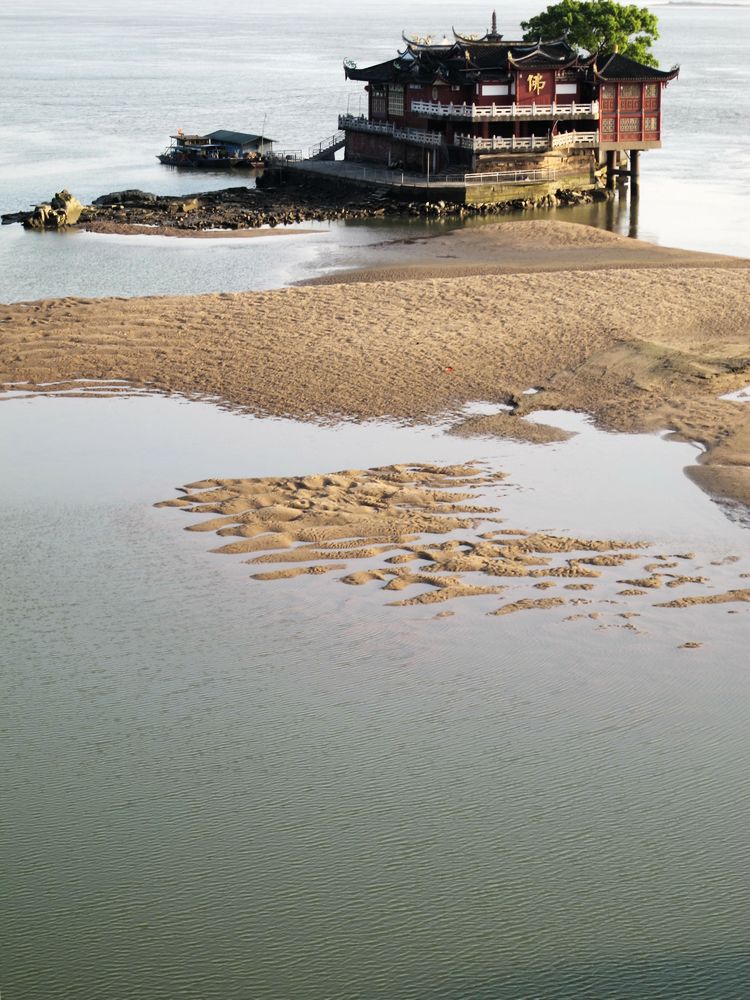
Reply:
x=220, y=788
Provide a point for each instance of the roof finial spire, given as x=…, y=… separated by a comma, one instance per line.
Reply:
x=494, y=23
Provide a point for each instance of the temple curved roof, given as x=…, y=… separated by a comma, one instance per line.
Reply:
x=468, y=60
x=458, y=62
x=384, y=72
x=426, y=43
x=616, y=67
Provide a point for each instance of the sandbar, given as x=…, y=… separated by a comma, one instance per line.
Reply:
x=135, y=229
x=641, y=347
x=421, y=527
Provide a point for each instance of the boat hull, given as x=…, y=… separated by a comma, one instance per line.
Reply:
x=199, y=163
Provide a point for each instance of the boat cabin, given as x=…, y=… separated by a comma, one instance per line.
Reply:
x=240, y=143
x=221, y=149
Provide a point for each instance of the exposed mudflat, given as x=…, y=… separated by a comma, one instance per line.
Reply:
x=518, y=247
x=420, y=528
x=639, y=347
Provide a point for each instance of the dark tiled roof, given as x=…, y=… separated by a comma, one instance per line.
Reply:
x=549, y=51
x=619, y=67
x=384, y=72
x=464, y=61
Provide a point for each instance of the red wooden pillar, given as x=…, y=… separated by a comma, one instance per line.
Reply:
x=618, y=99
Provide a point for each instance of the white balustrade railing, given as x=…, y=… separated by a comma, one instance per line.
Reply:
x=478, y=112
x=515, y=144
x=499, y=144
x=568, y=140
x=415, y=135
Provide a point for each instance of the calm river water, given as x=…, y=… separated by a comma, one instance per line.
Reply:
x=236, y=791
x=89, y=95
x=225, y=789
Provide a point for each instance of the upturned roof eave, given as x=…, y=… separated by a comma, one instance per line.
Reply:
x=540, y=60
x=618, y=68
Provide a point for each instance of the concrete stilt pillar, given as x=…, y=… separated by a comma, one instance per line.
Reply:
x=610, y=169
x=635, y=170
x=610, y=215
x=633, y=217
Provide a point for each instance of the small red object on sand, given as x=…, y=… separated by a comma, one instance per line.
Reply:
x=449, y=369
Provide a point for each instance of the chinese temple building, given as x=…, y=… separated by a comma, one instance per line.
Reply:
x=477, y=104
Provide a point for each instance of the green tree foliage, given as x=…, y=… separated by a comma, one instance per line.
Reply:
x=598, y=26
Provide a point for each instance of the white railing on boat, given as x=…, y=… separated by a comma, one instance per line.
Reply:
x=416, y=135
x=479, y=112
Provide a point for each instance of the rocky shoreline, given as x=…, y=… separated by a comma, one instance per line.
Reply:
x=245, y=207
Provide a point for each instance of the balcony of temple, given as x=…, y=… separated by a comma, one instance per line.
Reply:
x=417, y=136
x=527, y=144
x=506, y=112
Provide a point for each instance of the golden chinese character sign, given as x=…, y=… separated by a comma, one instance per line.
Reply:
x=535, y=83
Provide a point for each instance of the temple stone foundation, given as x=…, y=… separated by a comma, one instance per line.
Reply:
x=415, y=187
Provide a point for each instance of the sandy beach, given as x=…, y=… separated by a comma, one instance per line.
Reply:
x=641, y=337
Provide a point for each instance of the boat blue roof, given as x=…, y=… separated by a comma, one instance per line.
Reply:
x=239, y=138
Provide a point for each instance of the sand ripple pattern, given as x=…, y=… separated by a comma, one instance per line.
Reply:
x=389, y=516
x=643, y=348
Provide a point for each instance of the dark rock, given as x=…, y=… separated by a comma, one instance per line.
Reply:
x=10, y=217
x=132, y=196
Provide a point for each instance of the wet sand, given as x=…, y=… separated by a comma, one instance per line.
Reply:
x=429, y=528
x=133, y=229
x=519, y=247
x=640, y=345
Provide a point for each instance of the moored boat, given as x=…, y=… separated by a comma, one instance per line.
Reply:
x=220, y=150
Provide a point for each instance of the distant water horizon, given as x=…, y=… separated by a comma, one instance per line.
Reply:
x=107, y=86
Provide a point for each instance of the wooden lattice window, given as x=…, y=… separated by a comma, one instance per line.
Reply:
x=651, y=97
x=651, y=124
x=608, y=97
x=395, y=99
x=630, y=124
x=608, y=126
x=378, y=101
x=630, y=90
